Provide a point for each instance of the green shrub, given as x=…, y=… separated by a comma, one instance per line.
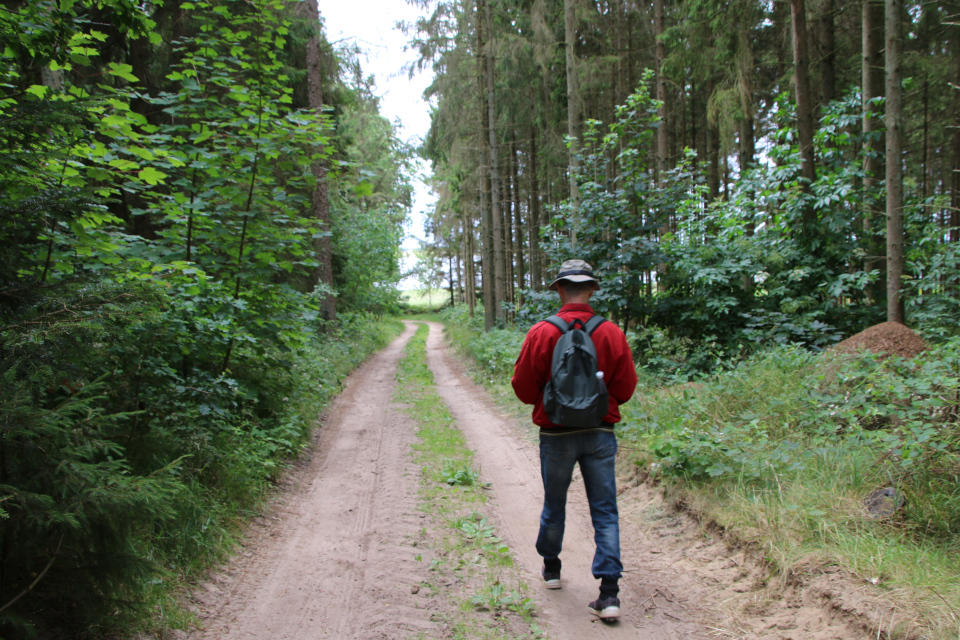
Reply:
x=122, y=461
x=496, y=350
x=785, y=412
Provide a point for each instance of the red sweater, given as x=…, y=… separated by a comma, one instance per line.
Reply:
x=533, y=367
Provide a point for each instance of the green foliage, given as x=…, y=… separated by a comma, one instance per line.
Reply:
x=496, y=350
x=118, y=469
x=781, y=414
x=160, y=340
x=461, y=476
x=741, y=271
x=617, y=218
x=934, y=300
x=476, y=529
x=497, y=597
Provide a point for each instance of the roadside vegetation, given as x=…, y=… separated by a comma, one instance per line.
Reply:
x=490, y=597
x=426, y=300
x=195, y=253
x=782, y=449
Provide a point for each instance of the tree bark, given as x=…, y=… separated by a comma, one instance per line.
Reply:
x=517, y=219
x=748, y=147
x=660, y=54
x=804, y=105
x=507, y=225
x=533, y=224
x=499, y=264
x=469, y=277
x=873, y=140
x=713, y=151
x=955, y=174
x=487, y=255
x=621, y=90
x=828, y=52
x=894, y=174
x=320, y=199
x=453, y=302
x=573, y=100
x=924, y=153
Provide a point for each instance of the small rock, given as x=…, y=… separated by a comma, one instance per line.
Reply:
x=884, y=502
x=415, y=588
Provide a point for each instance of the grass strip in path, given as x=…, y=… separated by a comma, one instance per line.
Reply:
x=470, y=565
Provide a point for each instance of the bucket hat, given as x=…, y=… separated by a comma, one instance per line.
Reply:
x=575, y=271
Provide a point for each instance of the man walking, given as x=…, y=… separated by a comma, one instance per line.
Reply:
x=592, y=444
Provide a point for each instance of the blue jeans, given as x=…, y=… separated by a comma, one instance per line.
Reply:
x=595, y=451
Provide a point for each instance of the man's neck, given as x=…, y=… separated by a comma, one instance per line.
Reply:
x=583, y=298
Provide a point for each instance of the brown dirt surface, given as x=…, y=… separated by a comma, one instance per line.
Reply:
x=886, y=338
x=335, y=555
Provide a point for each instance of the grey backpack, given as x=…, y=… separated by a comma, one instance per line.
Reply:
x=575, y=396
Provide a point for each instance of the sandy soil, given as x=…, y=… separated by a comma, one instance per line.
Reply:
x=335, y=558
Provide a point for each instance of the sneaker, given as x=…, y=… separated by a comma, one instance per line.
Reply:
x=605, y=607
x=551, y=579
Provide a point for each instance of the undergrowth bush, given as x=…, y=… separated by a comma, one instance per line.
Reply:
x=124, y=463
x=495, y=351
x=777, y=417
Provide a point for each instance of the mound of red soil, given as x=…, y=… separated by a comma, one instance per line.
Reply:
x=886, y=338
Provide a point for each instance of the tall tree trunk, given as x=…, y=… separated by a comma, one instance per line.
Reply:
x=873, y=144
x=745, y=79
x=622, y=89
x=533, y=223
x=487, y=255
x=804, y=106
x=573, y=99
x=453, y=301
x=924, y=153
x=894, y=183
x=507, y=209
x=694, y=119
x=955, y=174
x=748, y=145
x=517, y=221
x=660, y=54
x=320, y=199
x=470, y=277
x=828, y=51
x=713, y=151
x=487, y=258
x=499, y=264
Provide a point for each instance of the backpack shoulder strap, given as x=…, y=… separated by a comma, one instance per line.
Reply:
x=593, y=323
x=558, y=322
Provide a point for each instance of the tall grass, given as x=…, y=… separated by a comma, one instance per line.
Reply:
x=784, y=449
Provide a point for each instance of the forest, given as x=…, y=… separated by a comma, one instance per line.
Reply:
x=763, y=187
x=203, y=209
x=201, y=217
x=728, y=167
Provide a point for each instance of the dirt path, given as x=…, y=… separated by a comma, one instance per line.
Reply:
x=336, y=559
x=336, y=562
